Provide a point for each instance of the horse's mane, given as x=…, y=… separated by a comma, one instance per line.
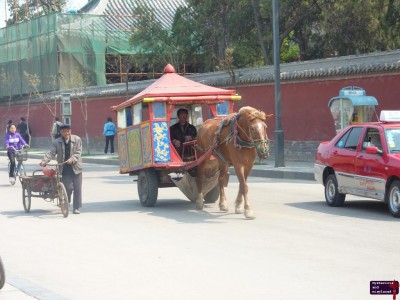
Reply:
x=253, y=113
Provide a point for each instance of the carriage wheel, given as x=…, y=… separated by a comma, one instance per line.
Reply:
x=63, y=199
x=212, y=196
x=26, y=197
x=148, y=187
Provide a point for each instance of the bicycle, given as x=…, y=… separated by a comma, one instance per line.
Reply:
x=2, y=274
x=45, y=185
x=21, y=155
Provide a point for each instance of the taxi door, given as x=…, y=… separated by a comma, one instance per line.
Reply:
x=343, y=157
x=370, y=168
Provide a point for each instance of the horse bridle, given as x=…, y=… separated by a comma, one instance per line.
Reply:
x=261, y=145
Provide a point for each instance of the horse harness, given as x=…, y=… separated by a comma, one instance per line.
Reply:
x=233, y=135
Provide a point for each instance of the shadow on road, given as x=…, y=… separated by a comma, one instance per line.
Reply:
x=176, y=209
x=361, y=209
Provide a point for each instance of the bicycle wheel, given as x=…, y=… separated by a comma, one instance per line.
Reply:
x=26, y=198
x=63, y=199
x=2, y=274
x=22, y=170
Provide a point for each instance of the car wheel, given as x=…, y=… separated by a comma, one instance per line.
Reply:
x=332, y=195
x=393, y=200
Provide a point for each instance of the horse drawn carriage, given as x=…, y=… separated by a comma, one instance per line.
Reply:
x=145, y=149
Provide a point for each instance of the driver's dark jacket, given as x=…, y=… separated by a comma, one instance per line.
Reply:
x=179, y=132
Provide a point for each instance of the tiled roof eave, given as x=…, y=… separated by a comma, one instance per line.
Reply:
x=368, y=65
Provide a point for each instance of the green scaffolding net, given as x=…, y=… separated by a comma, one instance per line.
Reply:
x=60, y=51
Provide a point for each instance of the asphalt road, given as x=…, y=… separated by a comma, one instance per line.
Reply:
x=296, y=248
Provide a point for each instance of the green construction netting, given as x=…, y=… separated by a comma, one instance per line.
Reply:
x=61, y=50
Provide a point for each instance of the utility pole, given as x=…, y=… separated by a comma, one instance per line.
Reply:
x=279, y=140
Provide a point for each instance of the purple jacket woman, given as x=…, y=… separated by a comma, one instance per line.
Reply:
x=15, y=140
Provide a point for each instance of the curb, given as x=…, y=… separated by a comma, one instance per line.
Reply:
x=270, y=172
x=279, y=174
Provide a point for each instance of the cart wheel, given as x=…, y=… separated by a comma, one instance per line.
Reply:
x=148, y=187
x=212, y=196
x=2, y=274
x=26, y=197
x=63, y=199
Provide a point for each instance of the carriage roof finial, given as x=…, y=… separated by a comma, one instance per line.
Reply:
x=169, y=69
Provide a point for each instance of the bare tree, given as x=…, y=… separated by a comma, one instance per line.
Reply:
x=34, y=84
x=78, y=82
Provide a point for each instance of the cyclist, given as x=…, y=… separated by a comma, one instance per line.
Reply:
x=13, y=140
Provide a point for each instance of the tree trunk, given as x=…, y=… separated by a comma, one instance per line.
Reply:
x=256, y=7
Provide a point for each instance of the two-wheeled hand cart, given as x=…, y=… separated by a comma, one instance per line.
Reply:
x=45, y=184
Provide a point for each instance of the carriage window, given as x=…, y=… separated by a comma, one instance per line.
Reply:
x=124, y=118
x=159, y=111
x=197, y=115
x=137, y=113
x=145, y=112
x=128, y=113
x=223, y=108
x=121, y=119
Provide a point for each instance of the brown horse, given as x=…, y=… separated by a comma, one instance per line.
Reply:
x=237, y=140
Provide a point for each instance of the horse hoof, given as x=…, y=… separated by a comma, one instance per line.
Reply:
x=239, y=210
x=199, y=206
x=223, y=207
x=249, y=214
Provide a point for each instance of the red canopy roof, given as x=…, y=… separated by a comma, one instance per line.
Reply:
x=174, y=87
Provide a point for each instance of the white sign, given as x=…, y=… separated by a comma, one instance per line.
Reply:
x=390, y=116
x=354, y=93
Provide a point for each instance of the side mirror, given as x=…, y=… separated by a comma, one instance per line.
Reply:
x=373, y=150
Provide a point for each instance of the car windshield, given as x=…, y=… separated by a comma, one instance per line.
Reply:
x=393, y=140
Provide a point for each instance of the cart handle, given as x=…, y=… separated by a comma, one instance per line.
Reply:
x=56, y=164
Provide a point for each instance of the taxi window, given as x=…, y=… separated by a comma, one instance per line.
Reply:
x=393, y=140
x=370, y=134
x=350, y=139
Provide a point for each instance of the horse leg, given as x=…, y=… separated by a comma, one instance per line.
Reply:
x=242, y=184
x=248, y=212
x=223, y=205
x=199, y=183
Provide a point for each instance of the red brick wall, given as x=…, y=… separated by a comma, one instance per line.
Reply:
x=304, y=105
x=305, y=113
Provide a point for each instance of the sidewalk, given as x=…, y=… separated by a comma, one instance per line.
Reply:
x=302, y=170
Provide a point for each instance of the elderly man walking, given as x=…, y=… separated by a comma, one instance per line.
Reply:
x=68, y=149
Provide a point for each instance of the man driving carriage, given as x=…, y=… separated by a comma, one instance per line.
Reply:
x=182, y=131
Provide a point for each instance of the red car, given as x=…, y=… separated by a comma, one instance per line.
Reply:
x=363, y=160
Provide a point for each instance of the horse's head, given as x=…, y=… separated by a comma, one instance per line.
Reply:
x=253, y=123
